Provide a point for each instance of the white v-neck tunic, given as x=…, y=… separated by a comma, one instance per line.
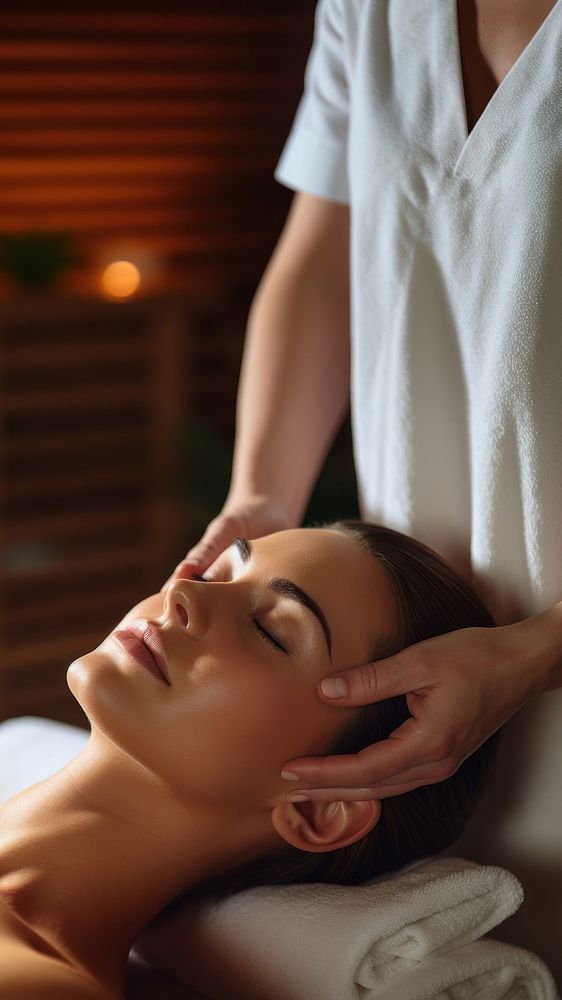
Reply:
x=456, y=312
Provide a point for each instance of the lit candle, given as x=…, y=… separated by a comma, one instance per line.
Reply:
x=121, y=279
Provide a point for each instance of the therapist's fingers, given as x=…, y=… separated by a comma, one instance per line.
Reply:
x=424, y=774
x=217, y=537
x=251, y=517
x=402, y=750
x=333, y=795
x=183, y=571
x=380, y=679
x=462, y=687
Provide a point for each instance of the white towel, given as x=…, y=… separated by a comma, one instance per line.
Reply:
x=33, y=748
x=487, y=970
x=324, y=942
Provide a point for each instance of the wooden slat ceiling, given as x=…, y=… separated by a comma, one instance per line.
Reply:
x=157, y=130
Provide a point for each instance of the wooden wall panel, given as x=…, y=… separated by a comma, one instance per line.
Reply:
x=90, y=406
x=157, y=130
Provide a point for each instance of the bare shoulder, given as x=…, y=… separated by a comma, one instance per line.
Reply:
x=26, y=974
x=29, y=976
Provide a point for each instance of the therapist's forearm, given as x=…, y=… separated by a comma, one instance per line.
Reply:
x=294, y=387
x=542, y=636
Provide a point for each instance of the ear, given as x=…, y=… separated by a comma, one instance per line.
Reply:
x=325, y=826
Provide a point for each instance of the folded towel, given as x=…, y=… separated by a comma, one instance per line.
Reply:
x=324, y=942
x=488, y=970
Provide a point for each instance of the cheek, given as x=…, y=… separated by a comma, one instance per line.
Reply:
x=243, y=718
x=237, y=718
x=244, y=723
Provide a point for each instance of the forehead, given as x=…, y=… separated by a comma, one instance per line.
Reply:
x=350, y=585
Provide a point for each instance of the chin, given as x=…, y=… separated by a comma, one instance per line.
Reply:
x=75, y=677
x=90, y=682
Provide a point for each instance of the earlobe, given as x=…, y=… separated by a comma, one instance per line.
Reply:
x=325, y=826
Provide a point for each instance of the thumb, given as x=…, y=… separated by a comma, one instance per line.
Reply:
x=218, y=536
x=183, y=571
x=215, y=539
x=374, y=681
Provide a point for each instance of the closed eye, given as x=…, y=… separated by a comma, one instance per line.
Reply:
x=267, y=636
x=262, y=631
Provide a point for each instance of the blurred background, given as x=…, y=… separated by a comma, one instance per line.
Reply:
x=138, y=211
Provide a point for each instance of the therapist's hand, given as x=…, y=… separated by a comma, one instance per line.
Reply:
x=251, y=517
x=460, y=688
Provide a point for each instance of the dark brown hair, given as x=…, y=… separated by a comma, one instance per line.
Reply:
x=431, y=599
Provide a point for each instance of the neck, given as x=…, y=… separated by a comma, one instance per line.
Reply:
x=91, y=855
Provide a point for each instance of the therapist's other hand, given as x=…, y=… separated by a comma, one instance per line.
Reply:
x=460, y=688
x=251, y=517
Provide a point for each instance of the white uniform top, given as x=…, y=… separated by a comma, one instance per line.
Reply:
x=456, y=312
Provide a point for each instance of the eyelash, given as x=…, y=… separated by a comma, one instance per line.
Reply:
x=261, y=630
x=266, y=635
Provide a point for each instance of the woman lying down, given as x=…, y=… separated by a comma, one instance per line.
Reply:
x=179, y=786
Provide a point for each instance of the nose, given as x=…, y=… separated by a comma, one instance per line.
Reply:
x=184, y=606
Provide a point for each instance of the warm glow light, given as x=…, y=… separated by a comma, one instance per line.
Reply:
x=121, y=279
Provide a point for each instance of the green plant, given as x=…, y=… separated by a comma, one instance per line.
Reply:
x=35, y=260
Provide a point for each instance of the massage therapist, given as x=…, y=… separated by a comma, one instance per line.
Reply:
x=418, y=277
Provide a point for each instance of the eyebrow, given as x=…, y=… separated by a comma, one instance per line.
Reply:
x=280, y=585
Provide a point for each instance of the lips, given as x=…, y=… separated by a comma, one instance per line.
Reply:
x=148, y=635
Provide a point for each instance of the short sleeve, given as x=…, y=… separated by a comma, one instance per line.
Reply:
x=314, y=158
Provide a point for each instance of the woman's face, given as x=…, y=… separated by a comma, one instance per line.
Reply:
x=241, y=704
